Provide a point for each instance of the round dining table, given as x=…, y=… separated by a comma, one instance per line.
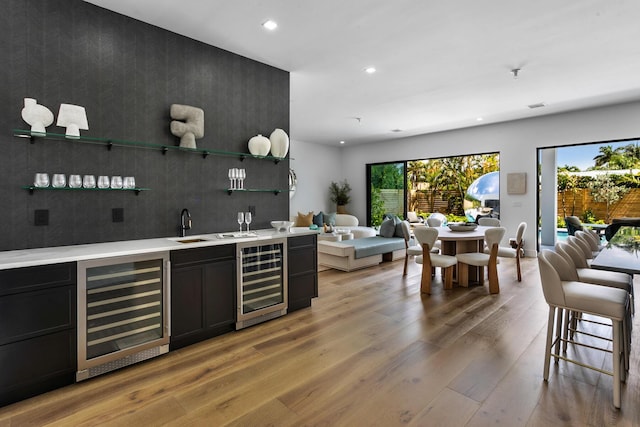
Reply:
x=457, y=242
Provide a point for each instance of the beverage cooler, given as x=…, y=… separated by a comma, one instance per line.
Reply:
x=123, y=311
x=262, y=281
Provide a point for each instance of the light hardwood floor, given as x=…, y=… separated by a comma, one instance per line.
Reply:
x=371, y=351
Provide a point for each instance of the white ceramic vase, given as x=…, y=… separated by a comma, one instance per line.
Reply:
x=259, y=145
x=279, y=143
x=38, y=116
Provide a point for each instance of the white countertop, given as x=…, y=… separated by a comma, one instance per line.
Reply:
x=59, y=254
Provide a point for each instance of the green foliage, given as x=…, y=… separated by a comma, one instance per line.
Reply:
x=560, y=222
x=388, y=176
x=588, y=217
x=604, y=190
x=377, y=207
x=339, y=192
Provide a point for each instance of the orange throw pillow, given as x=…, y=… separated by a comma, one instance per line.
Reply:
x=304, y=220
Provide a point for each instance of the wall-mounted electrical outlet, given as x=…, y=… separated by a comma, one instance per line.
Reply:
x=41, y=217
x=117, y=214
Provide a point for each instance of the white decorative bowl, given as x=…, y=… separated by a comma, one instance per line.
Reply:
x=462, y=226
x=281, y=226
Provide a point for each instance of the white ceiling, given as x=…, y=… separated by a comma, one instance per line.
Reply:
x=440, y=64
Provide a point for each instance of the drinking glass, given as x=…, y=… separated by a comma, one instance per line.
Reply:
x=89, y=181
x=103, y=181
x=247, y=220
x=242, y=175
x=59, y=180
x=75, y=181
x=116, y=181
x=231, y=179
x=129, y=182
x=235, y=174
x=41, y=180
x=240, y=220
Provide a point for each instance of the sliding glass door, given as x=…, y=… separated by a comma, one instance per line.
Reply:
x=387, y=191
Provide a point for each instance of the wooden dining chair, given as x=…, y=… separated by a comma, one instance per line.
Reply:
x=489, y=222
x=515, y=251
x=492, y=237
x=427, y=236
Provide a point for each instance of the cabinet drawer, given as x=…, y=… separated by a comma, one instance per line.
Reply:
x=302, y=261
x=37, y=365
x=32, y=278
x=303, y=287
x=30, y=314
x=301, y=241
x=187, y=257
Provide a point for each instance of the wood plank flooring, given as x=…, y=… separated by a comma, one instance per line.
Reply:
x=371, y=351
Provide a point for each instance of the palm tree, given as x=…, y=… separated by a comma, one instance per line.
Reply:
x=603, y=159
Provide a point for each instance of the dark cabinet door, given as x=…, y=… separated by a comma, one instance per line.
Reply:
x=186, y=301
x=37, y=330
x=220, y=296
x=303, y=271
x=202, y=294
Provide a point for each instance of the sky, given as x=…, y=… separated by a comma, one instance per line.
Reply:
x=582, y=155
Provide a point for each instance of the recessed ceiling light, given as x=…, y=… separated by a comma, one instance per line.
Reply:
x=538, y=105
x=270, y=25
x=479, y=119
x=370, y=70
x=341, y=142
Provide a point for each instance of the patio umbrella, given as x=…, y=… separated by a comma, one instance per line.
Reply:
x=486, y=187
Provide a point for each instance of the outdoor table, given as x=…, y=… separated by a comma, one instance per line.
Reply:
x=623, y=257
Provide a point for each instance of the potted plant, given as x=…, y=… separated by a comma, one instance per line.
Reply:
x=339, y=194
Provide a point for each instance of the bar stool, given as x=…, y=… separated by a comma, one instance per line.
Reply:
x=602, y=301
x=597, y=277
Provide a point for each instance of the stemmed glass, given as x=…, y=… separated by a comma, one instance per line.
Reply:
x=247, y=220
x=241, y=220
x=231, y=182
x=242, y=174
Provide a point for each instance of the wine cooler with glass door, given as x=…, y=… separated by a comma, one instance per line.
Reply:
x=123, y=311
x=262, y=281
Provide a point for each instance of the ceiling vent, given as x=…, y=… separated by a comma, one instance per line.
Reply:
x=538, y=105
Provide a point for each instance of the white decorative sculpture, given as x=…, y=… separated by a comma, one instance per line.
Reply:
x=38, y=116
x=188, y=124
x=259, y=145
x=279, y=143
x=74, y=118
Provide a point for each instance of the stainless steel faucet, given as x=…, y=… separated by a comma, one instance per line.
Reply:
x=185, y=222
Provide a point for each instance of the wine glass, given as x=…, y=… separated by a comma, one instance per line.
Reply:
x=247, y=220
x=240, y=220
x=243, y=175
x=231, y=179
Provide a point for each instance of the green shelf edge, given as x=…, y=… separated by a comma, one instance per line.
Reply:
x=23, y=133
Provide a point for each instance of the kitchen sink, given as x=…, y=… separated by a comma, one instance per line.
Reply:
x=187, y=240
x=192, y=240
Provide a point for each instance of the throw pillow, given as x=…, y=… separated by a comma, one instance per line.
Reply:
x=304, y=220
x=398, y=230
x=318, y=219
x=387, y=228
x=330, y=218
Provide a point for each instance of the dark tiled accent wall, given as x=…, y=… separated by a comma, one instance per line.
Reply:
x=127, y=74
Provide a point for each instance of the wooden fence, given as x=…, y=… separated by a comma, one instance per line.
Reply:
x=628, y=206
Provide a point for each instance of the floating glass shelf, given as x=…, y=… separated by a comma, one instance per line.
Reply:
x=32, y=188
x=109, y=143
x=254, y=190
